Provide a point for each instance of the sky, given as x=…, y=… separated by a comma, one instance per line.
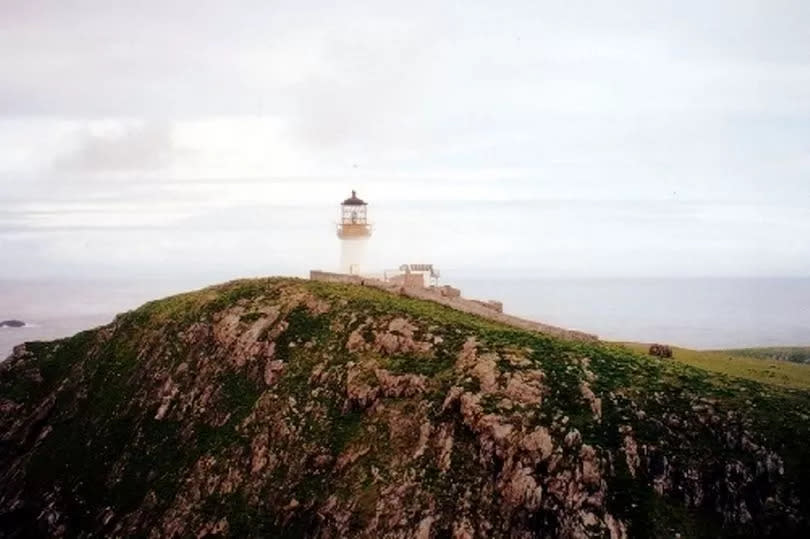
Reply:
x=215, y=139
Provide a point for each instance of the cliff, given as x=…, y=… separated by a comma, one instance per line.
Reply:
x=281, y=407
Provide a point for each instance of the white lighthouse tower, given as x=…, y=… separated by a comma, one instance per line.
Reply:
x=353, y=229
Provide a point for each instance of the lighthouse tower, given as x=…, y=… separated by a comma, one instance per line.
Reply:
x=353, y=229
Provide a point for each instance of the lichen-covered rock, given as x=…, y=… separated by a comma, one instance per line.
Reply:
x=281, y=407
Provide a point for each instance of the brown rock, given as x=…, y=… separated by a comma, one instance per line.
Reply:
x=272, y=370
x=519, y=489
x=593, y=401
x=400, y=385
x=526, y=387
x=486, y=370
x=573, y=438
x=590, y=466
x=538, y=444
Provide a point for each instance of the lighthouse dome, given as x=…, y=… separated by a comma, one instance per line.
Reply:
x=354, y=201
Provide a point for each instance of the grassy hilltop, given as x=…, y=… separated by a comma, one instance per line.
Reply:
x=781, y=366
x=281, y=407
x=795, y=354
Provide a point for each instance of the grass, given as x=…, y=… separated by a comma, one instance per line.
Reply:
x=755, y=364
x=796, y=354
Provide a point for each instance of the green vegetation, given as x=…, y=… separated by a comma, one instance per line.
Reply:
x=345, y=428
x=757, y=364
x=239, y=394
x=796, y=354
x=416, y=365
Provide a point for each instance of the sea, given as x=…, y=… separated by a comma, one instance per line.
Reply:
x=702, y=313
x=55, y=309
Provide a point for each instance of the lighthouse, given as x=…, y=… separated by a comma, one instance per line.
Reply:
x=353, y=229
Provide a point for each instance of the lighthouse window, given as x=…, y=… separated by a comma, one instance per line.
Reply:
x=356, y=215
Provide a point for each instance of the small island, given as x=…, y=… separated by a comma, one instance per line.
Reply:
x=12, y=324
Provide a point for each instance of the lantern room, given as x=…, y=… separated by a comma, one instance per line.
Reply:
x=353, y=219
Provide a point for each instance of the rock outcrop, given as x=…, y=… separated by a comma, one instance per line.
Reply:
x=660, y=350
x=283, y=407
x=12, y=324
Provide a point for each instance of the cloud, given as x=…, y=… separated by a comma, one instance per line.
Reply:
x=418, y=101
x=144, y=146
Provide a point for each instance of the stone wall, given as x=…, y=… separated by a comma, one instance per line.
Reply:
x=496, y=306
x=490, y=310
x=410, y=280
x=318, y=275
x=449, y=291
x=478, y=309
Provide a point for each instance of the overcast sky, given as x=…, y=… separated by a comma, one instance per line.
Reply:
x=553, y=138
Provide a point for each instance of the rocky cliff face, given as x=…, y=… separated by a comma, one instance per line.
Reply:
x=282, y=407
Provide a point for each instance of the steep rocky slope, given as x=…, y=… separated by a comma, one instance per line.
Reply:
x=281, y=407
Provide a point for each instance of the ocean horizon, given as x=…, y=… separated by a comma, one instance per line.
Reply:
x=701, y=313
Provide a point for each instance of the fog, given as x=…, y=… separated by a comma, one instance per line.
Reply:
x=205, y=141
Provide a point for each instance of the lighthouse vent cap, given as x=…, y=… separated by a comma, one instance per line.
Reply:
x=354, y=201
